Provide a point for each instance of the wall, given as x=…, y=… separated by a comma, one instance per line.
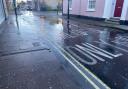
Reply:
x=2, y=15
x=75, y=7
x=65, y=6
x=98, y=11
x=124, y=10
x=109, y=9
x=79, y=7
x=5, y=7
x=52, y=3
x=127, y=15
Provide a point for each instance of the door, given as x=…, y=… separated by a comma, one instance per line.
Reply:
x=118, y=8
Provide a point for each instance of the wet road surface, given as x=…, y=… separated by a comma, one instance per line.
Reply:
x=28, y=61
x=100, y=53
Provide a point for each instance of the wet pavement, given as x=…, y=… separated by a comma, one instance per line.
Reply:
x=44, y=54
x=28, y=61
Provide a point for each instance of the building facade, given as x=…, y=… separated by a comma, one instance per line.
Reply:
x=49, y=4
x=98, y=9
x=3, y=11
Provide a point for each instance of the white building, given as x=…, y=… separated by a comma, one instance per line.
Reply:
x=50, y=3
x=3, y=11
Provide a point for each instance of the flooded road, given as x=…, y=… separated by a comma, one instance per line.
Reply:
x=102, y=52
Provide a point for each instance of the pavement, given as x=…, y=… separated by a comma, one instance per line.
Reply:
x=40, y=51
x=28, y=59
x=26, y=62
x=99, y=23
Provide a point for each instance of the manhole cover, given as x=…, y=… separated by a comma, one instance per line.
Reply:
x=36, y=44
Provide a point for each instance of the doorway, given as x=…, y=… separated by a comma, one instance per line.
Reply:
x=118, y=8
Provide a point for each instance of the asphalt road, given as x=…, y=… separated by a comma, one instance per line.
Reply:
x=43, y=49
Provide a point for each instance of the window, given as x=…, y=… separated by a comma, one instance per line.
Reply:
x=91, y=5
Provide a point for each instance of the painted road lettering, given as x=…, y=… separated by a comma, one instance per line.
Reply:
x=93, y=53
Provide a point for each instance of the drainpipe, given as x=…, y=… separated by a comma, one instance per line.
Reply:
x=79, y=9
x=58, y=8
x=15, y=9
x=62, y=6
x=38, y=5
x=79, y=14
x=68, y=18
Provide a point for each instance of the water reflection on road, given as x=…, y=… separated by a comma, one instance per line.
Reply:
x=104, y=51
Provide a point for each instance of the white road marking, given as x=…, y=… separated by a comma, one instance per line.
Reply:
x=99, y=58
x=121, y=43
x=93, y=50
x=69, y=35
x=81, y=72
x=93, y=61
x=111, y=45
x=57, y=47
x=122, y=38
x=79, y=33
x=74, y=25
x=117, y=55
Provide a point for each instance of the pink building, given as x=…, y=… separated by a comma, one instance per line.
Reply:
x=98, y=9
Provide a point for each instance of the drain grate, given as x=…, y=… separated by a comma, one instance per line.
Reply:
x=36, y=44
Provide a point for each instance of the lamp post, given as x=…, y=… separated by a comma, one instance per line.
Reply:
x=62, y=6
x=14, y=4
x=15, y=10
x=58, y=8
x=68, y=17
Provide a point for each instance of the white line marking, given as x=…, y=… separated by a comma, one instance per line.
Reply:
x=69, y=35
x=93, y=61
x=74, y=25
x=122, y=38
x=99, y=58
x=88, y=71
x=111, y=45
x=79, y=33
x=117, y=55
x=97, y=51
x=81, y=72
x=120, y=43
